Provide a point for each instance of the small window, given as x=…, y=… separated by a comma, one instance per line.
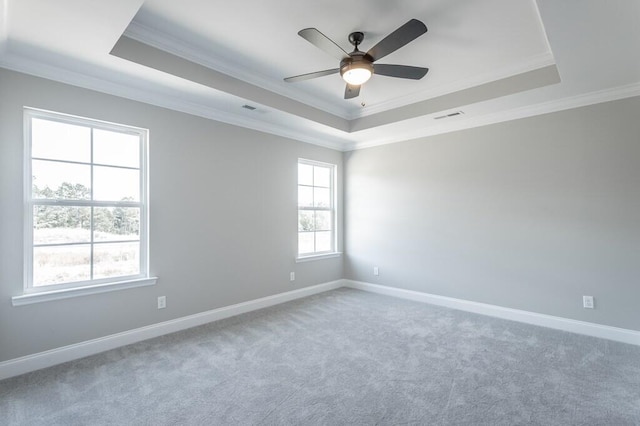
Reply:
x=86, y=202
x=316, y=208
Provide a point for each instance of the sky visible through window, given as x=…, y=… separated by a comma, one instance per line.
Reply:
x=65, y=142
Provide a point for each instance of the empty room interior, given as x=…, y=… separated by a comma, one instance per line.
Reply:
x=289, y=212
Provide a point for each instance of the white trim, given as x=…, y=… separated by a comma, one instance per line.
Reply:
x=46, y=296
x=94, y=285
x=332, y=209
x=561, y=104
x=318, y=257
x=156, y=97
x=25, y=364
x=174, y=45
x=347, y=143
x=17, y=366
x=168, y=43
x=565, y=324
x=528, y=64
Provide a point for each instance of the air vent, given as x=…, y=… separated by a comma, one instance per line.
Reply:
x=249, y=107
x=453, y=114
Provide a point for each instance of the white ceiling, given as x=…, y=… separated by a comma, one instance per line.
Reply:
x=494, y=60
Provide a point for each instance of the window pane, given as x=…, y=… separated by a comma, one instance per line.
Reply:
x=57, y=180
x=321, y=176
x=322, y=197
x=59, y=225
x=61, y=264
x=117, y=149
x=116, y=223
x=305, y=242
x=305, y=220
x=323, y=221
x=305, y=174
x=305, y=196
x=60, y=141
x=116, y=260
x=323, y=241
x=115, y=184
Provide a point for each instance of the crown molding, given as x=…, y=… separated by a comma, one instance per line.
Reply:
x=174, y=45
x=529, y=64
x=561, y=104
x=178, y=47
x=154, y=97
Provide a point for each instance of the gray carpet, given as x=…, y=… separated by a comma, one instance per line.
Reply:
x=342, y=357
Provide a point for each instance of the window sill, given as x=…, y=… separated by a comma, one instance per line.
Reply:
x=46, y=296
x=318, y=257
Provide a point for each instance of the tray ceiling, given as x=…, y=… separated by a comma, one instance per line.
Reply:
x=491, y=61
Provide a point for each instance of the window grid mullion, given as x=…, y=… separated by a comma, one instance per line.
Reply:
x=84, y=203
x=313, y=198
x=91, y=227
x=309, y=208
x=85, y=243
x=315, y=241
x=82, y=163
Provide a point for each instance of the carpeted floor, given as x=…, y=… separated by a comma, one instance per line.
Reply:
x=337, y=358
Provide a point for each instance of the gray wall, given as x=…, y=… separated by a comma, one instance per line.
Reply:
x=530, y=214
x=223, y=219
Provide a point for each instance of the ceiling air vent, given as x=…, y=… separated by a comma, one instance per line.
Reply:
x=249, y=107
x=453, y=114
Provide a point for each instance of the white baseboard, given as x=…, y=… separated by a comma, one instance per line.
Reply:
x=26, y=364
x=581, y=327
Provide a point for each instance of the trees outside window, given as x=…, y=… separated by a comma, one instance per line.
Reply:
x=86, y=219
x=316, y=208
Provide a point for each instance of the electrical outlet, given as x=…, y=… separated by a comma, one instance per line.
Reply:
x=375, y=271
x=162, y=302
x=587, y=302
x=292, y=276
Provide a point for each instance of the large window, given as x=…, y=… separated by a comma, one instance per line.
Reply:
x=86, y=202
x=316, y=208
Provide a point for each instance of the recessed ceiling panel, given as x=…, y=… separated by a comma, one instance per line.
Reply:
x=468, y=43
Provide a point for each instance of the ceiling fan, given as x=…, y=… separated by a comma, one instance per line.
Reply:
x=357, y=67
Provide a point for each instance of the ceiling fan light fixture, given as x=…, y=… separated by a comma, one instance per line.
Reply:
x=356, y=73
x=356, y=68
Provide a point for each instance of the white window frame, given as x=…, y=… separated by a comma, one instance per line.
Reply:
x=333, y=209
x=31, y=293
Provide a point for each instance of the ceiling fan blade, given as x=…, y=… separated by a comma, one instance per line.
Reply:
x=311, y=75
x=400, y=37
x=400, y=71
x=351, y=91
x=323, y=43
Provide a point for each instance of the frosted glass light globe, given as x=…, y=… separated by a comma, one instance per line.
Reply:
x=356, y=76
